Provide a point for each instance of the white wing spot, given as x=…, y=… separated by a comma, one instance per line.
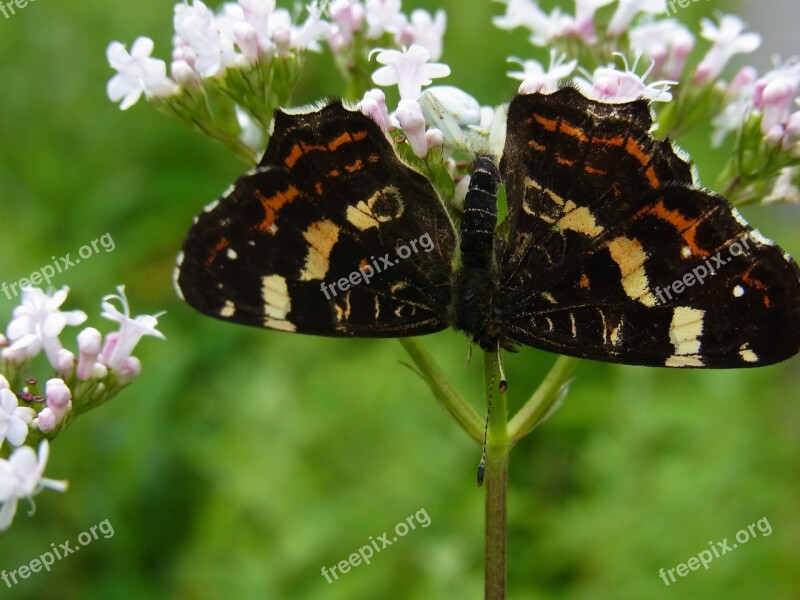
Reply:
x=684, y=333
x=747, y=355
x=277, y=303
x=228, y=310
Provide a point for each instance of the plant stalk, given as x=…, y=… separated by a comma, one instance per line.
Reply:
x=498, y=447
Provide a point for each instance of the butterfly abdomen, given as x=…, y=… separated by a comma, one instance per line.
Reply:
x=477, y=276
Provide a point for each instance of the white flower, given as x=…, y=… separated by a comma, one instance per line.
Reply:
x=666, y=42
x=425, y=30
x=730, y=119
x=198, y=28
x=348, y=17
x=526, y=13
x=21, y=478
x=628, y=9
x=14, y=419
x=728, y=41
x=774, y=94
x=307, y=35
x=409, y=70
x=785, y=188
x=536, y=79
x=38, y=322
x=250, y=133
x=119, y=345
x=583, y=23
x=384, y=16
x=611, y=85
x=137, y=73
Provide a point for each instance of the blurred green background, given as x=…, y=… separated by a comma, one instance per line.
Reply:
x=243, y=461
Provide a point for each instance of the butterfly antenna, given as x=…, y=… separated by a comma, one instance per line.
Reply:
x=502, y=387
x=482, y=464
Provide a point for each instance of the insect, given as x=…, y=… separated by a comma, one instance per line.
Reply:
x=612, y=252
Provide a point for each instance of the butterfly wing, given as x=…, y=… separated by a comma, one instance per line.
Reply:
x=614, y=254
x=330, y=235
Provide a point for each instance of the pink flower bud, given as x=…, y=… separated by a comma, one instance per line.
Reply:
x=409, y=115
x=58, y=395
x=130, y=368
x=46, y=421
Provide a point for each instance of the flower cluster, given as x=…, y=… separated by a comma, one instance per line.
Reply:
x=101, y=369
x=232, y=68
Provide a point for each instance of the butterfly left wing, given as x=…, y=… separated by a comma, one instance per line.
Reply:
x=330, y=235
x=615, y=255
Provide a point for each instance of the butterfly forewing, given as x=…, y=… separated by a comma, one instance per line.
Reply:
x=330, y=235
x=614, y=254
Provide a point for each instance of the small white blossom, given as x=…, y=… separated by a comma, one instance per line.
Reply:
x=728, y=41
x=583, y=25
x=612, y=85
x=785, y=188
x=730, y=119
x=198, y=28
x=348, y=17
x=409, y=70
x=667, y=43
x=536, y=79
x=137, y=73
x=119, y=345
x=38, y=322
x=526, y=13
x=250, y=132
x=21, y=478
x=307, y=35
x=739, y=94
x=425, y=30
x=774, y=94
x=14, y=419
x=627, y=11
x=384, y=16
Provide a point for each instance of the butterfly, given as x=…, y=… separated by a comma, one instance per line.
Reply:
x=610, y=250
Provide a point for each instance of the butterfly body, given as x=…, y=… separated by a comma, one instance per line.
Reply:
x=611, y=251
x=475, y=281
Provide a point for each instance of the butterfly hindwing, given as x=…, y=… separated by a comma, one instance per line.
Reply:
x=605, y=220
x=330, y=235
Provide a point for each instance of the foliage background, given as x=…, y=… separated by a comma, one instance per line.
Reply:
x=242, y=461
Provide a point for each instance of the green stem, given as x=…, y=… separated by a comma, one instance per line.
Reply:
x=498, y=447
x=453, y=402
x=539, y=406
